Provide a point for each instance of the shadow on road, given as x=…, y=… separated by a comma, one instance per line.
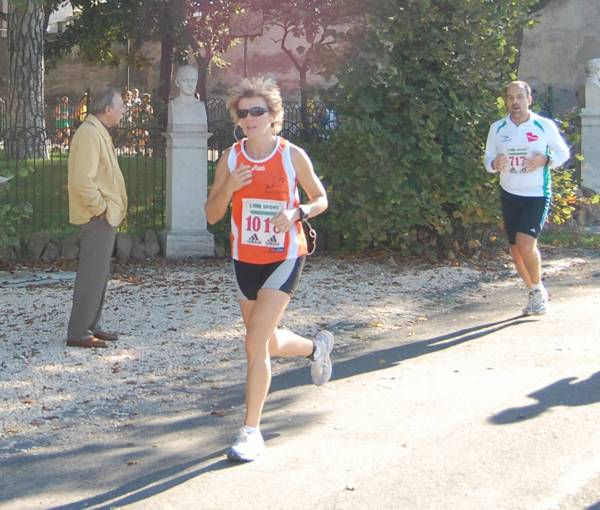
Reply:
x=78, y=468
x=388, y=357
x=564, y=392
x=149, y=485
x=126, y=466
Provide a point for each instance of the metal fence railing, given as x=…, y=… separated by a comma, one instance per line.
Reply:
x=41, y=181
x=313, y=125
x=40, y=177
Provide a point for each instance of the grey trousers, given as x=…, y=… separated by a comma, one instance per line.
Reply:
x=95, y=249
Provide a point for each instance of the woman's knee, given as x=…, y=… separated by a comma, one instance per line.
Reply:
x=256, y=348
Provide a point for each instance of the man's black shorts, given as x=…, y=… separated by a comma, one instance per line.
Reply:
x=523, y=214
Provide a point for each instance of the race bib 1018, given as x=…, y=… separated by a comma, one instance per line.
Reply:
x=257, y=226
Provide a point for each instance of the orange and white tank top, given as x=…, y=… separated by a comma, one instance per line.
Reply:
x=274, y=187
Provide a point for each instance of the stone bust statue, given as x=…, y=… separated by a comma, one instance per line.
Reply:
x=185, y=109
x=592, y=71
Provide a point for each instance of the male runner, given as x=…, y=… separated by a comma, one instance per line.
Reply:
x=523, y=147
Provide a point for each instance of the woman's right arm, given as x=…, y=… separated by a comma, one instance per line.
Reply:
x=224, y=185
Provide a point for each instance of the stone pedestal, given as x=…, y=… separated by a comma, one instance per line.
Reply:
x=590, y=128
x=590, y=148
x=187, y=181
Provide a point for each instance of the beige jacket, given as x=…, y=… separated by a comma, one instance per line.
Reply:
x=96, y=184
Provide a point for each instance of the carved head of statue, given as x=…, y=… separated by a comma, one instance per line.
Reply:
x=186, y=79
x=592, y=70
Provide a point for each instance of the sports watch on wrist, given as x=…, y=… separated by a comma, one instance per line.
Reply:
x=302, y=214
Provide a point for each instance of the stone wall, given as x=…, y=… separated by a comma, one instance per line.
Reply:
x=71, y=76
x=554, y=52
x=43, y=247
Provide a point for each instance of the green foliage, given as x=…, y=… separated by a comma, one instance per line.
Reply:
x=416, y=97
x=99, y=25
x=196, y=28
x=570, y=239
x=11, y=216
x=564, y=196
x=317, y=23
x=564, y=183
x=220, y=230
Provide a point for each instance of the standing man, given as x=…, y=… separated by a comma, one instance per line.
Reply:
x=97, y=202
x=522, y=148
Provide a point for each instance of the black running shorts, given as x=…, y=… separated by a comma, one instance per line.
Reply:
x=283, y=276
x=523, y=214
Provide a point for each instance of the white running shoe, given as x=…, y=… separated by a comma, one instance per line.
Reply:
x=248, y=445
x=527, y=309
x=320, y=369
x=538, y=298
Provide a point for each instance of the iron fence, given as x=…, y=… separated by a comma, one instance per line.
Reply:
x=41, y=181
x=313, y=124
x=40, y=174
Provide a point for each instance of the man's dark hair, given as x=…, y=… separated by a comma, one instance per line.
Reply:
x=523, y=84
x=104, y=96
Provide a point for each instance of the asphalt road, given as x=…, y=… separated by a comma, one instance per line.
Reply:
x=478, y=408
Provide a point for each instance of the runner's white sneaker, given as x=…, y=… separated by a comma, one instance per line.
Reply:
x=539, y=301
x=527, y=309
x=248, y=445
x=320, y=369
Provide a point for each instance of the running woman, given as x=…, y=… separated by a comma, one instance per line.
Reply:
x=523, y=147
x=259, y=176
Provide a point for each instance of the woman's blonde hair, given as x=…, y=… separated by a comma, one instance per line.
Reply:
x=258, y=87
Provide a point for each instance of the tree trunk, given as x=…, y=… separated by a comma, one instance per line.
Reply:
x=26, y=137
x=202, y=76
x=202, y=63
x=166, y=59
x=304, y=102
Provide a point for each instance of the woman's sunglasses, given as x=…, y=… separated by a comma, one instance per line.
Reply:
x=255, y=111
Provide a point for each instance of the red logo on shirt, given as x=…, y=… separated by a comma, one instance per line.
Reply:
x=532, y=137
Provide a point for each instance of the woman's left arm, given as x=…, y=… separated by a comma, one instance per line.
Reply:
x=311, y=184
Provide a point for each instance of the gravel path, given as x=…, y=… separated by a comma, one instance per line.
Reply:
x=182, y=338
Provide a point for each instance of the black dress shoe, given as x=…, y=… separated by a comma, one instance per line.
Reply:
x=105, y=335
x=90, y=343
